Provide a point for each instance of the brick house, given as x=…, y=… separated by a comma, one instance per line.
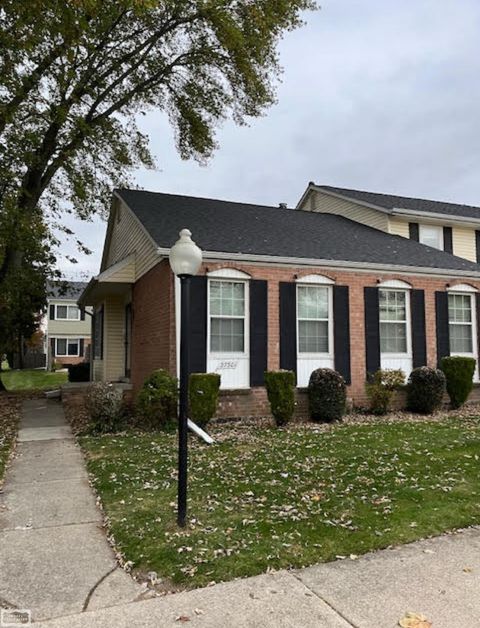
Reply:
x=278, y=288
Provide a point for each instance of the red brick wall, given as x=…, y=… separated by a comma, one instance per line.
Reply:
x=154, y=323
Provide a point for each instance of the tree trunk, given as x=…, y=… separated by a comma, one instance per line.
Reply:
x=2, y=385
x=20, y=352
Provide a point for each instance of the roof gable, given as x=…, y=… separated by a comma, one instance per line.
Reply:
x=390, y=202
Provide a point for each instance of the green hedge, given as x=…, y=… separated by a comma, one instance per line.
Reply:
x=280, y=387
x=156, y=403
x=327, y=395
x=425, y=390
x=459, y=373
x=203, y=396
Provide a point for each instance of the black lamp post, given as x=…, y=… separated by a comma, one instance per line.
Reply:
x=185, y=260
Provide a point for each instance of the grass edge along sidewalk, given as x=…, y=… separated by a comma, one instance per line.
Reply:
x=263, y=498
x=9, y=420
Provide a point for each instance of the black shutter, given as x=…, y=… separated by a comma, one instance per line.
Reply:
x=197, y=337
x=477, y=244
x=52, y=312
x=419, y=341
x=81, y=347
x=372, y=330
x=258, y=331
x=82, y=313
x=413, y=231
x=441, y=318
x=288, y=326
x=447, y=240
x=52, y=346
x=341, y=332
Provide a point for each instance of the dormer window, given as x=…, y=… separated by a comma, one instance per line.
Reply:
x=431, y=235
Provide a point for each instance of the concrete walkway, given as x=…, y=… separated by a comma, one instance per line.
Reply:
x=438, y=578
x=54, y=556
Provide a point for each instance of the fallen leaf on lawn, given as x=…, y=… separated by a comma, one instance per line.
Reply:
x=182, y=618
x=414, y=620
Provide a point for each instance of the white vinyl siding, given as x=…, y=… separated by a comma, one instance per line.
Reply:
x=128, y=237
x=464, y=244
x=227, y=332
x=398, y=227
x=321, y=202
x=462, y=326
x=314, y=330
x=431, y=235
x=395, y=330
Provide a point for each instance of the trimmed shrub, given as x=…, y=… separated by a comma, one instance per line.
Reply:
x=156, y=403
x=459, y=373
x=381, y=387
x=79, y=372
x=105, y=408
x=327, y=395
x=425, y=390
x=203, y=396
x=280, y=387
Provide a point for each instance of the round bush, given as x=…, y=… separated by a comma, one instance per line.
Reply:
x=327, y=395
x=459, y=373
x=156, y=403
x=104, y=404
x=203, y=396
x=280, y=387
x=425, y=389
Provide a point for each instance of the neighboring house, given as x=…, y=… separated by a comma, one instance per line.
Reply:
x=446, y=226
x=67, y=329
x=279, y=288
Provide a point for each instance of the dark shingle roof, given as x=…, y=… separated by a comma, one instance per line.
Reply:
x=230, y=227
x=390, y=201
x=69, y=290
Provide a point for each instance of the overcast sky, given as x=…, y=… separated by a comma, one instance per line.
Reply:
x=378, y=95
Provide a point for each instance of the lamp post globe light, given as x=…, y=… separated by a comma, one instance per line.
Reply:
x=185, y=260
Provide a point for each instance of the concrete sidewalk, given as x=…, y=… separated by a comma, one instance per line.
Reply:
x=54, y=556
x=439, y=578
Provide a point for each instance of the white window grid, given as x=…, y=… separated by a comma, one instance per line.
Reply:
x=328, y=320
x=68, y=317
x=244, y=318
x=404, y=321
x=431, y=235
x=465, y=298
x=67, y=342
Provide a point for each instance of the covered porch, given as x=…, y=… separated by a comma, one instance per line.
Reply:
x=110, y=296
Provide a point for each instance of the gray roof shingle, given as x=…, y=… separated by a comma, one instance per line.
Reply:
x=390, y=201
x=68, y=290
x=230, y=227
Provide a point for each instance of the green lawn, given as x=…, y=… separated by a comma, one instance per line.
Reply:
x=34, y=379
x=267, y=498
